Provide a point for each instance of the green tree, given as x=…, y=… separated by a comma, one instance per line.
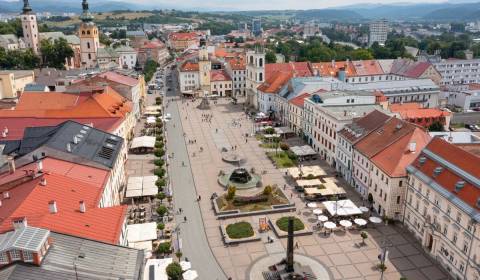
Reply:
x=162, y=210
x=270, y=57
x=161, y=196
x=18, y=59
x=174, y=271
x=164, y=248
x=231, y=192
x=149, y=69
x=436, y=126
x=361, y=54
x=161, y=227
x=363, y=235
x=55, y=53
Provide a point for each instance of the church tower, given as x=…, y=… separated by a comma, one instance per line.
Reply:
x=205, y=67
x=89, y=38
x=29, y=26
x=255, y=73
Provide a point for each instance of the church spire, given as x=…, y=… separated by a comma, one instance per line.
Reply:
x=86, y=15
x=26, y=7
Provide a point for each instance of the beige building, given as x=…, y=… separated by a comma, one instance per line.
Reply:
x=12, y=83
x=89, y=39
x=442, y=207
x=295, y=113
x=380, y=160
x=220, y=83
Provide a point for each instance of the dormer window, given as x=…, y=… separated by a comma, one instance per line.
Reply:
x=422, y=161
x=459, y=186
x=437, y=171
x=3, y=258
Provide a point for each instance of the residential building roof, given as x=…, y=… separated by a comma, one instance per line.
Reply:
x=299, y=100
x=389, y=146
x=71, y=141
x=362, y=126
x=367, y=67
x=451, y=171
x=107, y=53
x=457, y=137
x=409, y=68
x=190, y=67
x=126, y=49
x=275, y=81
x=30, y=199
x=410, y=111
x=71, y=39
x=237, y=63
x=118, y=78
x=298, y=69
x=92, y=259
x=17, y=74
x=349, y=112
x=24, y=238
x=219, y=75
x=182, y=36
x=332, y=68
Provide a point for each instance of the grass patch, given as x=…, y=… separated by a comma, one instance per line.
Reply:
x=240, y=230
x=282, y=224
x=282, y=159
x=269, y=145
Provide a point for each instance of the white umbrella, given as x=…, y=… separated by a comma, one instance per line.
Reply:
x=345, y=223
x=375, y=220
x=363, y=209
x=322, y=218
x=312, y=205
x=360, y=222
x=185, y=265
x=190, y=275
x=317, y=211
x=329, y=225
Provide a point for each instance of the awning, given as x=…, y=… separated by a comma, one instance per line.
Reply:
x=143, y=142
x=342, y=208
x=141, y=186
x=153, y=108
x=308, y=183
x=304, y=171
x=156, y=269
x=151, y=113
x=141, y=232
x=283, y=130
x=302, y=151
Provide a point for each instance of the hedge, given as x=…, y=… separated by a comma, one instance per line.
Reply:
x=159, y=152
x=160, y=172
x=159, y=162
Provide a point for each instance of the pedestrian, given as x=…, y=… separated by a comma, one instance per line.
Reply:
x=291, y=195
x=180, y=210
x=199, y=198
x=296, y=245
x=184, y=219
x=284, y=186
x=246, y=140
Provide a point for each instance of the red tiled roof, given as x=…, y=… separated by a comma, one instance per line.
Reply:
x=237, y=63
x=183, y=36
x=118, y=78
x=457, y=156
x=66, y=186
x=219, y=75
x=332, y=68
x=474, y=86
x=299, y=100
x=190, y=67
x=414, y=110
x=275, y=82
x=299, y=69
x=364, y=125
x=367, y=67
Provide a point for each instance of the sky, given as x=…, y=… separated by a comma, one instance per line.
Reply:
x=275, y=4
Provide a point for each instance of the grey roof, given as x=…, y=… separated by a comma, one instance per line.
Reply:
x=24, y=238
x=8, y=39
x=402, y=86
x=34, y=87
x=350, y=112
x=71, y=39
x=93, y=260
x=94, y=147
x=17, y=74
x=136, y=33
x=124, y=49
x=106, y=53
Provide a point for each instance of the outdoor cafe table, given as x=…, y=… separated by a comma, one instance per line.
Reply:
x=345, y=223
x=322, y=218
x=363, y=209
x=375, y=220
x=311, y=205
x=317, y=211
x=360, y=222
x=330, y=225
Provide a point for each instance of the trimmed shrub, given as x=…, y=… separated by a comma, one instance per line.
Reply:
x=174, y=271
x=162, y=210
x=284, y=146
x=160, y=172
x=267, y=190
x=242, y=200
x=159, y=138
x=159, y=162
x=159, y=144
x=231, y=192
x=164, y=248
x=159, y=152
x=160, y=183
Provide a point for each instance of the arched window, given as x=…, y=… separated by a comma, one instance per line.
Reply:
x=88, y=32
x=251, y=59
x=260, y=62
x=83, y=32
x=88, y=45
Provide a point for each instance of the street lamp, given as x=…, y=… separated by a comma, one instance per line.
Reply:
x=80, y=256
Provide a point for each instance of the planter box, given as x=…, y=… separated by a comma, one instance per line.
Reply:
x=228, y=240
x=237, y=213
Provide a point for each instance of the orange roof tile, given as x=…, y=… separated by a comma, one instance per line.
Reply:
x=118, y=78
x=219, y=75
x=66, y=186
x=457, y=156
x=414, y=110
x=367, y=67
x=331, y=69
x=183, y=36
x=299, y=100
x=190, y=67
x=275, y=82
x=299, y=69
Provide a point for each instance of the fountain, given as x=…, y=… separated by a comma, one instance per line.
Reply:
x=239, y=178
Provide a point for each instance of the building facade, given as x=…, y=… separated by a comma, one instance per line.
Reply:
x=378, y=32
x=89, y=38
x=255, y=74
x=30, y=28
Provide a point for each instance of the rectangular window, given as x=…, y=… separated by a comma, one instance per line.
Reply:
x=3, y=258
x=27, y=256
x=15, y=255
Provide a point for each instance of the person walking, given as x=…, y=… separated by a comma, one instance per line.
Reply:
x=184, y=219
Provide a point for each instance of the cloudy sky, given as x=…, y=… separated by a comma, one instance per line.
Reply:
x=275, y=4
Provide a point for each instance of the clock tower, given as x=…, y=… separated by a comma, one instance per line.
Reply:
x=89, y=38
x=205, y=67
x=29, y=26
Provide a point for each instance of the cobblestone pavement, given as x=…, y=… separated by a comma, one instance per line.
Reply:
x=339, y=252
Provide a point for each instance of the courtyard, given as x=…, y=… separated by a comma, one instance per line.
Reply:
x=342, y=253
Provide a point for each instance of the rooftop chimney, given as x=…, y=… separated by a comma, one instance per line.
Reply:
x=40, y=166
x=52, y=207
x=69, y=147
x=412, y=147
x=5, y=129
x=6, y=195
x=75, y=139
x=11, y=164
x=4, y=135
x=83, y=208
x=43, y=181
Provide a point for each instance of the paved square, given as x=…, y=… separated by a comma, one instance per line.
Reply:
x=340, y=251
